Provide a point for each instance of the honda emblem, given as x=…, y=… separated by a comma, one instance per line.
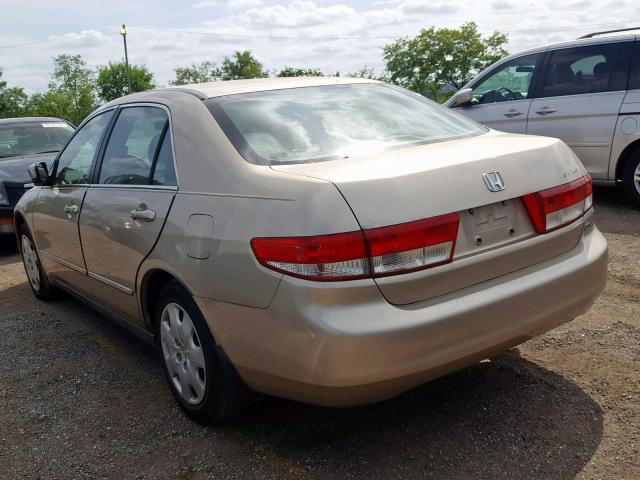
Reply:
x=493, y=181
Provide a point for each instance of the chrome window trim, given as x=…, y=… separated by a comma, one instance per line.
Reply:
x=170, y=131
x=95, y=186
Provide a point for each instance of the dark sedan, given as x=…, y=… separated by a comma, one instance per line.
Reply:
x=24, y=141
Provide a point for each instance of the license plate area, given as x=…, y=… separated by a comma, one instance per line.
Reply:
x=491, y=226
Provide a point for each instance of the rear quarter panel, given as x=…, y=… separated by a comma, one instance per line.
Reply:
x=230, y=272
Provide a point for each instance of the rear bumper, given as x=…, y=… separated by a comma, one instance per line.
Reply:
x=346, y=346
x=6, y=220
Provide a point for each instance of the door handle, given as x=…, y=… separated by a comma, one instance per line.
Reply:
x=144, y=215
x=512, y=113
x=545, y=111
x=71, y=209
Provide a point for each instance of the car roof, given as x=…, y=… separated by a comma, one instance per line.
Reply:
x=232, y=87
x=8, y=121
x=598, y=38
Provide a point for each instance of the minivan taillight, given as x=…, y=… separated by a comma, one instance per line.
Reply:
x=559, y=206
x=375, y=252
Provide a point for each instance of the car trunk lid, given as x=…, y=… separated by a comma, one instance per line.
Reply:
x=495, y=235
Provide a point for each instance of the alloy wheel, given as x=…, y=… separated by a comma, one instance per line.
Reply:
x=636, y=178
x=183, y=354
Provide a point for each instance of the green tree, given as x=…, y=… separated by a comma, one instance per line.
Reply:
x=299, y=72
x=13, y=101
x=201, y=73
x=71, y=93
x=439, y=56
x=112, y=80
x=242, y=65
x=365, y=72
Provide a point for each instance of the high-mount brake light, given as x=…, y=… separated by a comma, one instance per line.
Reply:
x=375, y=252
x=559, y=206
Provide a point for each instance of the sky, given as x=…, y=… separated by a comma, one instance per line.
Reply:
x=331, y=35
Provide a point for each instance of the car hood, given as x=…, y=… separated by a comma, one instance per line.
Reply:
x=14, y=169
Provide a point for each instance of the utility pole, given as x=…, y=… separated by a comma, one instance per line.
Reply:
x=123, y=32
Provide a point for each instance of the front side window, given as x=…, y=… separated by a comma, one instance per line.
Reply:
x=510, y=81
x=314, y=124
x=133, y=146
x=32, y=138
x=579, y=70
x=74, y=163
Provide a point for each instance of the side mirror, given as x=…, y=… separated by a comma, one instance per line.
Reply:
x=463, y=97
x=39, y=173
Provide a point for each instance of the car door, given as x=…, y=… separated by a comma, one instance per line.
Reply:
x=579, y=99
x=55, y=216
x=502, y=97
x=125, y=207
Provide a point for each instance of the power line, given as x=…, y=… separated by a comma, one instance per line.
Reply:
x=302, y=38
x=371, y=37
x=56, y=39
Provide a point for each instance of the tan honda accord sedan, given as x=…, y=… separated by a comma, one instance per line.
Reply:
x=335, y=241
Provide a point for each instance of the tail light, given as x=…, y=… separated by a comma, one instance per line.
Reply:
x=342, y=256
x=375, y=252
x=559, y=206
x=412, y=246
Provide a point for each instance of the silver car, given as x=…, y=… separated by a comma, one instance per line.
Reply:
x=334, y=241
x=585, y=92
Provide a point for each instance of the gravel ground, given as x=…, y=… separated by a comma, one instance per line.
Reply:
x=80, y=398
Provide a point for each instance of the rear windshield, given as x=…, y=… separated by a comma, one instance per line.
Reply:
x=314, y=124
x=31, y=138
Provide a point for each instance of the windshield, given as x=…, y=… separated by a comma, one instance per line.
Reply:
x=34, y=137
x=313, y=124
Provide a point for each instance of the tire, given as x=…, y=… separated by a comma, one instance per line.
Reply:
x=631, y=179
x=207, y=395
x=38, y=281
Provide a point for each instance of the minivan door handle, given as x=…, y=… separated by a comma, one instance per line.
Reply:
x=545, y=111
x=71, y=209
x=512, y=113
x=144, y=215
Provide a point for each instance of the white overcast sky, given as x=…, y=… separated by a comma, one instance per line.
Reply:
x=163, y=34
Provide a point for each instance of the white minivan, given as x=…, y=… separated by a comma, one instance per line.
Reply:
x=585, y=92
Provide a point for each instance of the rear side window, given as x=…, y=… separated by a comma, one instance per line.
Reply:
x=634, y=76
x=133, y=146
x=579, y=70
x=164, y=172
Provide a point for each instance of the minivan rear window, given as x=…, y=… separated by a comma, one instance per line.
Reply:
x=313, y=124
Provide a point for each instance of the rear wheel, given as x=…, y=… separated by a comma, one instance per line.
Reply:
x=631, y=178
x=202, y=379
x=38, y=281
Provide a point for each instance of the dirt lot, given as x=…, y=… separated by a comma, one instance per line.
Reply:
x=80, y=398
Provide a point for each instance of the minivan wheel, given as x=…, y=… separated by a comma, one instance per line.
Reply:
x=38, y=281
x=201, y=378
x=631, y=179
